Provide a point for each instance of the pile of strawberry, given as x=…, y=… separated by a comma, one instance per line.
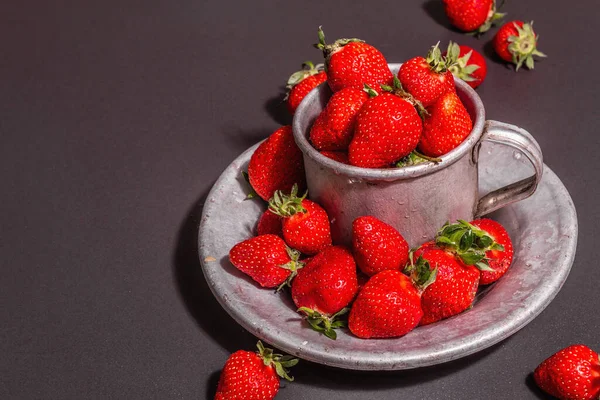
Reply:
x=385, y=289
x=377, y=120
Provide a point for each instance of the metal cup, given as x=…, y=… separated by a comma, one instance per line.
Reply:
x=419, y=199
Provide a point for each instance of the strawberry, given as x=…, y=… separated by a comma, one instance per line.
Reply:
x=445, y=127
x=277, y=164
x=483, y=243
x=251, y=375
x=327, y=284
x=476, y=16
x=302, y=82
x=498, y=259
x=429, y=78
x=388, y=305
x=470, y=66
x=377, y=246
x=455, y=285
x=516, y=42
x=572, y=373
x=353, y=63
x=269, y=223
x=334, y=127
x=339, y=156
x=266, y=259
x=388, y=128
x=305, y=224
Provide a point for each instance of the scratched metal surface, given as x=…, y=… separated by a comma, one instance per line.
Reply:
x=543, y=228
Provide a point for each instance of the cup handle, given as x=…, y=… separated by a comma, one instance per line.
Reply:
x=520, y=139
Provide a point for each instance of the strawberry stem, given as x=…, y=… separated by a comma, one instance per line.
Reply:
x=279, y=361
x=287, y=205
x=325, y=324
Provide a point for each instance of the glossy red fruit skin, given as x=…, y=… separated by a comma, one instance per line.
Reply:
x=571, y=373
x=447, y=126
x=467, y=15
x=308, y=232
x=500, y=41
x=269, y=224
x=388, y=128
x=277, y=164
x=387, y=306
x=334, y=127
x=355, y=64
x=475, y=59
x=327, y=283
x=499, y=261
x=246, y=377
x=377, y=246
x=423, y=83
x=339, y=156
x=260, y=258
x=300, y=90
x=454, y=288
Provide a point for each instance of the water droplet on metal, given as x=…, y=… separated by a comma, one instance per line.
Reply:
x=517, y=155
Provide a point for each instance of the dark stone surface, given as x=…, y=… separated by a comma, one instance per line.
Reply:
x=116, y=117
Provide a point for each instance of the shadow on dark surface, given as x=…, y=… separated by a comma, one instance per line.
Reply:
x=534, y=388
x=318, y=375
x=277, y=108
x=211, y=385
x=435, y=9
x=195, y=293
x=490, y=53
x=241, y=140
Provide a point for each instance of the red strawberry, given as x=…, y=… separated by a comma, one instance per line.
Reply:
x=388, y=128
x=269, y=224
x=516, y=42
x=472, y=15
x=454, y=288
x=573, y=373
x=253, y=375
x=334, y=127
x=353, y=63
x=387, y=306
x=266, y=259
x=499, y=260
x=277, y=164
x=446, y=126
x=470, y=66
x=377, y=246
x=339, y=156
x=327, y=284
x=428, y=78
x=302, y=82
x=483, y=243
x=305, y=223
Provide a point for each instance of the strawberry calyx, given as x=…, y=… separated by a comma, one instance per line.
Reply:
x=294, y=265
x=330, y=49
x=461, y=69
x=287, y=205
x=492, y=19
x=439, y=63
x=369, y=90
x=324, y=324
x=279, y=361
x=523, y=46
x=398, y=90
x=414, y=158
x=308, y=69
x=420, y=272
x=468, y=242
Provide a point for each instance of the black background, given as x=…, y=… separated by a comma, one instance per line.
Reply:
x=116, y=117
